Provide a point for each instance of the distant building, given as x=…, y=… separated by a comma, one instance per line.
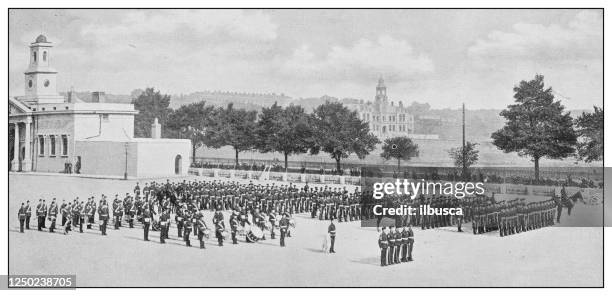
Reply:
x=385, y=118
x=52, y=132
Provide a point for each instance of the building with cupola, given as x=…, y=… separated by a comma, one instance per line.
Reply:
x=386, y=118
x=54, y=133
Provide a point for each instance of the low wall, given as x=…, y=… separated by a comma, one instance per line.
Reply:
x=275, y=176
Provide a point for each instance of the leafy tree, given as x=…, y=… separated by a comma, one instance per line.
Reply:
x=590, y=130
x=471, y=155
x=232, y=127
x=536, y=125
x=339, y=132
x=400, y=148
x=191, y=122
x=150, y=104
x=286, y=131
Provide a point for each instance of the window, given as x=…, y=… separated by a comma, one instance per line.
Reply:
x=64, y=145
x=44, y=56
x=30, y=83
x=47, y=83
x=105, y=117
x=41, y=145
x=52, y=144
x=34, y=56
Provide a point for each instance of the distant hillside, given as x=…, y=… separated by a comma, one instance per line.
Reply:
x=446, y=123
x=249, y=101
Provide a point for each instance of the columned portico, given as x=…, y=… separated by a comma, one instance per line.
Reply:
x=15, y=161
x=22, y=159
x=26, y=165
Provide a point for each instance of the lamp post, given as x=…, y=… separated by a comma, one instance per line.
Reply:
x=125, y=174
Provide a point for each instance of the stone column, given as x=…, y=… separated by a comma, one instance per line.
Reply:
x=15, y=161
x=26, y=166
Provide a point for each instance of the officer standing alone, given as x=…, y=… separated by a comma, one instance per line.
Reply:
x=332, y=235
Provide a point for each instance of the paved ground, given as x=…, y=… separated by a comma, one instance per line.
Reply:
x=554, y=256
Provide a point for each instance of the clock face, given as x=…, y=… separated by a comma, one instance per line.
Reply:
x=47, y=83
x=30, y=83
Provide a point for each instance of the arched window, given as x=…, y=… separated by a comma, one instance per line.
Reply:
x=178, y=165
x=44, y=56
x=34, y=56
x=64, y=145
x=41, y=147
x=52, y=145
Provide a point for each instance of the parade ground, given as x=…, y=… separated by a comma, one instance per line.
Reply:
x=547, y=257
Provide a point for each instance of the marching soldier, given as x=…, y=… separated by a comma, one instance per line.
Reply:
x=40, y=214
x=234, y=227
x=331, y=229
x=52, y=213
x=146, y=220
x=391, y=240
x=117, y=212
x=130, y=208
x=383, y=243
x=404, y=236
x=91, y=212
x=164, y=220
x=180, y=220
x=284, y=226
x=44, y=212
x=83, y=215
x=22, y=217
x=188, y=226
x=103, y=215
x=201, y=225
x=272, y=220
x=63, y=207
x=28, y=215
x=410, y=242
x=398, y=246
x=219, y=225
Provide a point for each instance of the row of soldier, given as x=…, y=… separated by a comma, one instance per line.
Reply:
x=188, y=218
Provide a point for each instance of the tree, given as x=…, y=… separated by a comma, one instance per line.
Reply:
x=471, y=155
x=339, y=132
x=400, y=148
x=536, y=125
x=286, y=131
x=232, y=127
x=191, y=121
x=590, y=130
x=150, y=104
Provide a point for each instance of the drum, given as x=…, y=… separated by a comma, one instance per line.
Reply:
x=242, y=230
x=206, y=233
x=268, y=225
x=254, y=234
x=292, y=222
x=224, y=234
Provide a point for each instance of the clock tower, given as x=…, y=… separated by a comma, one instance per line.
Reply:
x=40, y=77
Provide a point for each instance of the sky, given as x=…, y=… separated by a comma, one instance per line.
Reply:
x=442, y=56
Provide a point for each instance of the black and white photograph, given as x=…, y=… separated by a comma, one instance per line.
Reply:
x=305, y=148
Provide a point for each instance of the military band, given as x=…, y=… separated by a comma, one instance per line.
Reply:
x=257, y=209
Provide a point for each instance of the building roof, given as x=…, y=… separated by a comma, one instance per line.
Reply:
x=41, y=39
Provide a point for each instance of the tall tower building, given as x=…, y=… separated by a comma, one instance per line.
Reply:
x=40, y=77
x=381, y=91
